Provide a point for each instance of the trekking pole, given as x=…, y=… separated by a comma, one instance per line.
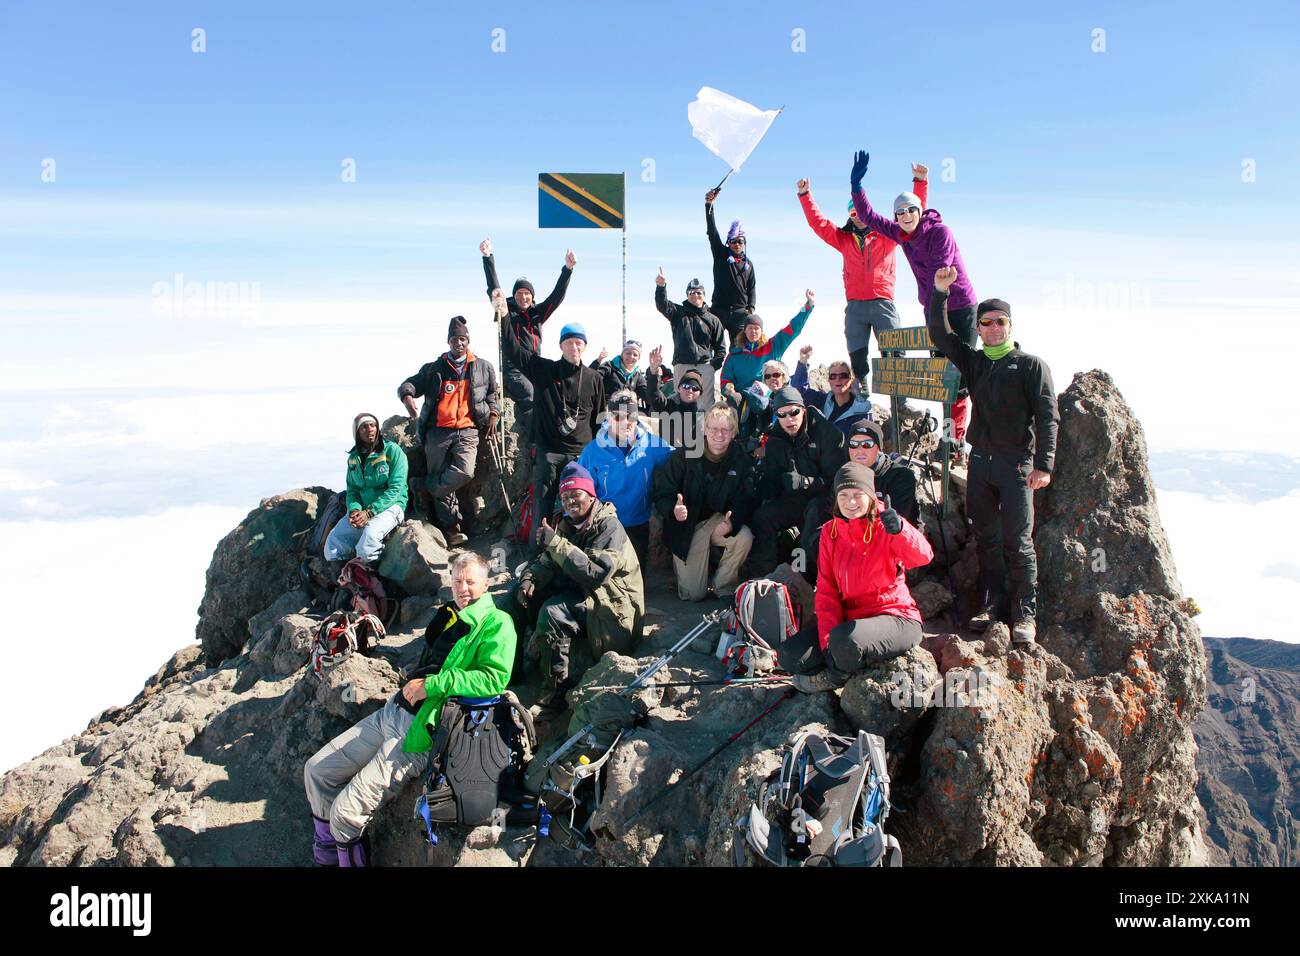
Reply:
x=501, y=478
x=721, y=682
x=703, y=763
x=927, y=425
x=943, y=542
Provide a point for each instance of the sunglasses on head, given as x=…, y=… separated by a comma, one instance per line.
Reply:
x=792, y=413
x=862, y=443
x=1000, y=320
x=839, y=376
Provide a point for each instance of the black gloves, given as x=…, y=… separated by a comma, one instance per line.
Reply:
x=795, y=482
x=890, y=518
x=860, y=160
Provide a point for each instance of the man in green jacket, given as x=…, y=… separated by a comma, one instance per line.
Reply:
x=376, y=494
x=352, y=775
x=586, y=580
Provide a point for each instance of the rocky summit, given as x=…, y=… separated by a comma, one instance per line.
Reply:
x=1077, y=750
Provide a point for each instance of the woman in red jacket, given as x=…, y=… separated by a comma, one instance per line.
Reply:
x=865, y=614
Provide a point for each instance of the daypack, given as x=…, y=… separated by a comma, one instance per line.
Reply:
x=341, y=634
x=523, y=518
x=568, y=778
x=826, y=805
x=761, y=617
x=364, y=592
x=330, y=514
x=480, y=748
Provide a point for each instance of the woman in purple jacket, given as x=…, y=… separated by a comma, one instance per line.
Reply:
x=929, y=246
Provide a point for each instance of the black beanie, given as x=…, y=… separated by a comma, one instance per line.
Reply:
x=856, y=476
x=868, y=426
x=522, y=283
x=457, y=327
x=785, y=396
x=993, y=305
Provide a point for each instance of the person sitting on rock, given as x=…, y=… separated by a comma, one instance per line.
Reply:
x=585, y=583
x=376, y=494
x=752, y=349
x=570, y=398
x=351, y=776
x=800, y=459
x=526, y=320
x=843, y=404
x=679, y=416
x=1013, y=449
x=699, y=340
x=865, y=613
x=623, y=371
x=460, y=397
x=893, y=478
x=622, y=460
x=705, y=501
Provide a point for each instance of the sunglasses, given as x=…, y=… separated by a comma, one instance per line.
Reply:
x=839, y=376
x=900, y=212
x=695, y=292
x=792, y=413
x=735, y=242
x=862, y=443
x=767, y=375
x=1000, y=320
x=690, y=387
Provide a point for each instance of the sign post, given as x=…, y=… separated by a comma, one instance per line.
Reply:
x=928, y=379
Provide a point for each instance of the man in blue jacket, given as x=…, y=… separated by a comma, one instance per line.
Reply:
x=622, y=459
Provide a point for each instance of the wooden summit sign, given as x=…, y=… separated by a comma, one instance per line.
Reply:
x=929, y=379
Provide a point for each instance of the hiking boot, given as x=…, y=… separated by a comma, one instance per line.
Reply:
x=815, y=683
x=456, y=537
x=985, y=618
x=1025, y=630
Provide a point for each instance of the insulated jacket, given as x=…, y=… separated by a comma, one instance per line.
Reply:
x=841, y=416
x=698, y=335
x=745, y=359
x=898, y=481
x=377, y=481
x=600, y=561
x=560, y=389
x=439, y=383
x=733, y=282
x=1014, y=401
x=816, y=451
x=624, y=477
x=727, y=488
x=868, y=256
x=617, y=378
x=860, y=572
x=478, y=665
x=929, y=248
x=679, y=422
x=527, y=323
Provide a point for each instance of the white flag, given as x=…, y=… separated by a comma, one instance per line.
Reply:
x=729, y=127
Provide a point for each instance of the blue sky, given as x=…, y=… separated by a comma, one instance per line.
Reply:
x=1100, y=193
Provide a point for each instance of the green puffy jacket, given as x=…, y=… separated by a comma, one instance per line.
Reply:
x=378, y=482
x=478, y=665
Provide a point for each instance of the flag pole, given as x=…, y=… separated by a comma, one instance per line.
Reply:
x=620, y=344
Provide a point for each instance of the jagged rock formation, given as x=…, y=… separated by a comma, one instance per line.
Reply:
x=1077, y=751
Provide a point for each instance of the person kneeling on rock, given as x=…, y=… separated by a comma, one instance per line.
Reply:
x=376, y=494
x=586, y=580
x=865, y=613
x=351, y=776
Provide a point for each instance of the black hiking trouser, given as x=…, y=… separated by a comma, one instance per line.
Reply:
x=1000, y=504
x=773, y=517
x=546, y=485
x=851, y=646
x=450, y=455
x=639, y=535
x=548, y=625
x=520, y=390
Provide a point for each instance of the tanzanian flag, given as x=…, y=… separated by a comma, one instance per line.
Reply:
x=580, y=200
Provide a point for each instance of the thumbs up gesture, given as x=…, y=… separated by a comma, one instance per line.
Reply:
x=890, y=518
x=679, y=510
x=721, y=530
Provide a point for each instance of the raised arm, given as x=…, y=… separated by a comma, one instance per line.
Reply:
x=552, y=301
x=783, y=339
x=716, y=244
x=921, y=184
x=936, y=321
x=826, y=230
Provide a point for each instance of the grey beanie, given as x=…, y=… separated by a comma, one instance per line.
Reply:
x=856, y=476
x=786, y=396
x=904, y=200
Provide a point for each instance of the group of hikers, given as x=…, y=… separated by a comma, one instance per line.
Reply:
x=746, y=463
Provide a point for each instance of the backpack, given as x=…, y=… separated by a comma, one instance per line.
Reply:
x=363, y=590
x=523, y=518
x=761, y=617
x=330, y=514
x=480, y=748
x=341, y=634
x=826, y=805
x=567, y=781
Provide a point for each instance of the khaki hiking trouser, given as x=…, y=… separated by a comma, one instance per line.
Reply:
x=351, y=776
x=693, y=573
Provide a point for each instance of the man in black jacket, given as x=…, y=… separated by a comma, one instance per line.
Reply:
x=460, y=397
x=866, y=441
x=1013, y=448
x=699, y=339
x=679, y=415
x=705, y=502
x=570, y=397
x=734, y=290
x=526, y=319
x=796, y=481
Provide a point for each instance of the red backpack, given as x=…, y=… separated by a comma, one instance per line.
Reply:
x=367, y=592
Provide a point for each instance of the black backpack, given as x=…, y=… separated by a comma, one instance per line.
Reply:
x=476, y=763
x=826, y=805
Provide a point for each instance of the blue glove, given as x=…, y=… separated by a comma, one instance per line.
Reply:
x=860, y=160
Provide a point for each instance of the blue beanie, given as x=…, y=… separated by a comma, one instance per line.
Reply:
x=573, y=330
